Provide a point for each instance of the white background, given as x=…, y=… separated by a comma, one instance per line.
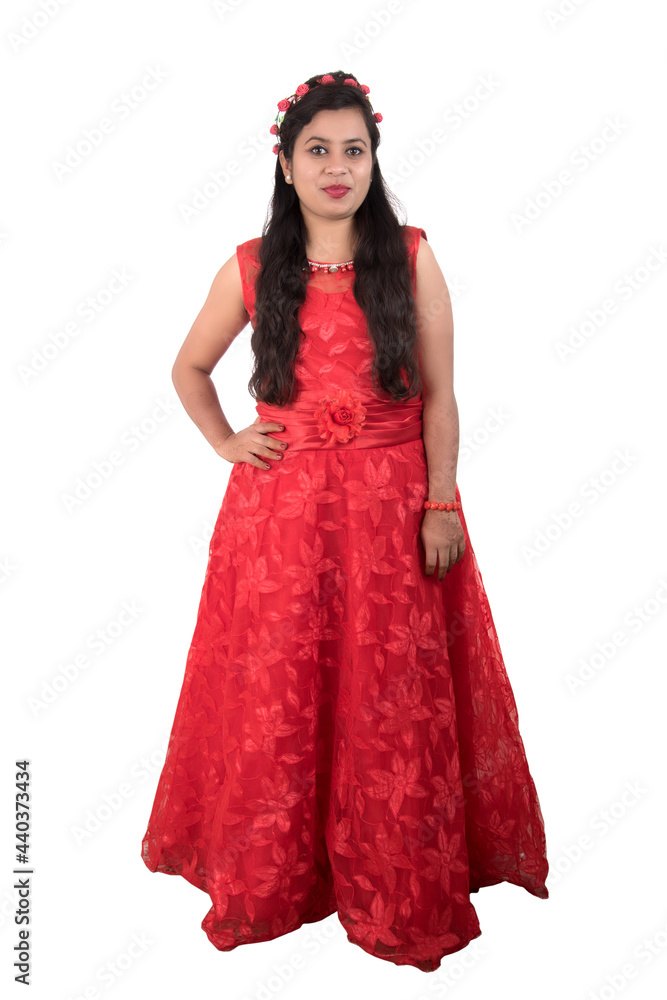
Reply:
x=528, y=265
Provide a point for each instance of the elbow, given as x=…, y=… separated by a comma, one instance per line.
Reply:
x=180, y=371
x=442, y=394
x=177, y=375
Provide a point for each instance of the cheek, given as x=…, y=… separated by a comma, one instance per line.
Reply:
x=363, y=169
x=309, y=173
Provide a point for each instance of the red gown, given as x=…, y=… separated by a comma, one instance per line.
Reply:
x=346, y=738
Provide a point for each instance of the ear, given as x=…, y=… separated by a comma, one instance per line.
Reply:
x=284, y=163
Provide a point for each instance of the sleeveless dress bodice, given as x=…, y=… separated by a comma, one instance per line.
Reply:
x=333, y=366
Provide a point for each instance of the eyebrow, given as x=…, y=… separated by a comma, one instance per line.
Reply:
x=345, y=141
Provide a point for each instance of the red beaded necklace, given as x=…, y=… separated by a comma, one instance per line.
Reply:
x=315, y=265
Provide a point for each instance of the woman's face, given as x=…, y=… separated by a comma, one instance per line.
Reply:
x=334, y=148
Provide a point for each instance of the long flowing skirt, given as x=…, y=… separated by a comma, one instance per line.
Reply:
x=346, y=738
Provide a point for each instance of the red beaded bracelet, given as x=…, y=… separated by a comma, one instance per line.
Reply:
x=434, y=505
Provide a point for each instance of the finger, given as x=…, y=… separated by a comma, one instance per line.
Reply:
x=447, y=560
x=429, y=561
x=270, y=450
x=268, y=442
x=274, y=444
x=438, y=552
x=453, y=556
x=256, y=460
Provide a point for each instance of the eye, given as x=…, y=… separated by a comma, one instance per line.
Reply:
x=358, y=149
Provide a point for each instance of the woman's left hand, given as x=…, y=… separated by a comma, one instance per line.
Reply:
x=443, y=540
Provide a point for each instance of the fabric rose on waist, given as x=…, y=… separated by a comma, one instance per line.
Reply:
x=340, y=417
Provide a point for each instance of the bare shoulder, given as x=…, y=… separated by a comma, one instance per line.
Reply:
x=425, y=256
x=227, y=283
x=435, y=324
x=219, y=321
x=431, y=282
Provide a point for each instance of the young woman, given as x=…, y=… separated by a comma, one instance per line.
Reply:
x=346, y=738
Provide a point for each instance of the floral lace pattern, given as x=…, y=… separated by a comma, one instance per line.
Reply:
x=346, y=739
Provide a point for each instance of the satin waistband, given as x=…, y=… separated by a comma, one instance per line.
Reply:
x=383, y=423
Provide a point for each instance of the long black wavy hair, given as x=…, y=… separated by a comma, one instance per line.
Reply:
x=382, y=281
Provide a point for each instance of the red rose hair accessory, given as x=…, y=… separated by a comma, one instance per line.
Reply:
x=340, y=418
x=302, y=89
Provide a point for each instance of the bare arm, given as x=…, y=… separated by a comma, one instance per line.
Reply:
x=220, y=320
x=435, y=327
x=441, y=531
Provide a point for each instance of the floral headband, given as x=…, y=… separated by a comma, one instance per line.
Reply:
x=302, y=89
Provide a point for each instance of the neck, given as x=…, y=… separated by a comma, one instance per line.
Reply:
x=333, y=257
x=334, y=243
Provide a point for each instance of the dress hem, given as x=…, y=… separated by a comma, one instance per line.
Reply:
x=431, y=966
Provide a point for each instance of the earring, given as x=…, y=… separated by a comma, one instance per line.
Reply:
x=288, y=177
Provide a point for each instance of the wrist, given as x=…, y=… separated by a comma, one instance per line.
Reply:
x=219, y=446
x=442, y=505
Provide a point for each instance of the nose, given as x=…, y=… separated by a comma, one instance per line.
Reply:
x=336, y=169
